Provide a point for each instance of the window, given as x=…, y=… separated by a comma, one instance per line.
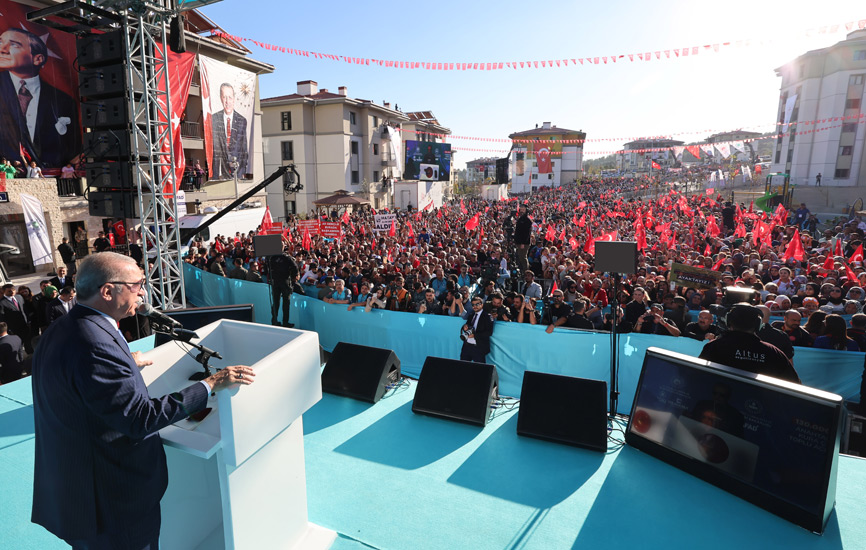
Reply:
x=353, y=118
x=375, y=175
x=778, y=156
x=842, y=173
x=852, y=103
x=375, y=122
x=855, y=80
x=846, y=151
x=550, y=176
x=355, y=177
x=859, y=55
x=375, y=148
x=790, y=155
x=291, y=208
x=849, y=127
x=286, y=120
x=354, y=147
x=287, y=150
x=535, y=176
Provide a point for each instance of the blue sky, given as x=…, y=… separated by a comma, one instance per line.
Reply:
x=714, y=92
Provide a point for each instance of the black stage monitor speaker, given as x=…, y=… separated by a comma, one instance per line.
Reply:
x=616, y=257
x=456, y=390
x=564, y=409
x=360, y=372
x=267, y=245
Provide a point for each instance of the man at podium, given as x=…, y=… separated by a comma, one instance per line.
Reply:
x=100, y=468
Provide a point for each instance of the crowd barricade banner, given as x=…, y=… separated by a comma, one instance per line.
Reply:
x=515, y=348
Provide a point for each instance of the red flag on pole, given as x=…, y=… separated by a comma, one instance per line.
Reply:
x=307, y=242
x=267, y=221
x=462, y=208
x=656, y=165
x=562, y=235
x=850, y=273
x=480, y=236
x=857, y=256
x=550, y=234
x=472, y=223
x=829, y=263
x=795, y=247
x=393, y=231
x=838, y=251
x=346, y=217
x=718, y=264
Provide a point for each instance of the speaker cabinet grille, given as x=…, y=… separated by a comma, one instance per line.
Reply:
x=360, y=372
x=456, y=390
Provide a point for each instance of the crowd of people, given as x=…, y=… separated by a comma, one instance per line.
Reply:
x=435, y=262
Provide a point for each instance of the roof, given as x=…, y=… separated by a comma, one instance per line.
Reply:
x=422, y=116
x=340, y=198
x=552, y=131
x=319, y=95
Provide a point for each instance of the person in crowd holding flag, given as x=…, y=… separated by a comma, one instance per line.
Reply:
x=33, y=171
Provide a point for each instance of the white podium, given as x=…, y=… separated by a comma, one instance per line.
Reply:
x=236, y=479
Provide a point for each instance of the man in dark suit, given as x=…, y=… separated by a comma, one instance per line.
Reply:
x=62, y=279
x=63, y=304
x=68, y=254
x=34, y=114
x=476, y=333
x=11, y=356
x=100, y=469
x=229, y=137
x=13, y=313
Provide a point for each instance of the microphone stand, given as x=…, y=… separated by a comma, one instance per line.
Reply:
x=186, y=336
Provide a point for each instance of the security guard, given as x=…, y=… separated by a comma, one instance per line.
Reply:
x=741, y=348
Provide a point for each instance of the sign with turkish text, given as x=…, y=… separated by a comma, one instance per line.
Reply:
x=694, y=277
x=382, y=222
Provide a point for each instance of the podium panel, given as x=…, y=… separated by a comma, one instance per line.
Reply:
x=236, y=478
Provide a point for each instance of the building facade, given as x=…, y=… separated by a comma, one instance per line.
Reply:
x=338, y=143
x=823, y=90
x=638, y=155
x=545, y=157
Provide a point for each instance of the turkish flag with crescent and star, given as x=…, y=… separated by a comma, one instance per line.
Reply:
x=542, y=158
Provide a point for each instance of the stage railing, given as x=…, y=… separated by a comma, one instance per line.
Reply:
x=515, y=348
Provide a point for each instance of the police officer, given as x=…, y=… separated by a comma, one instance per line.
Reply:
x=283, y=274
x=741, y=348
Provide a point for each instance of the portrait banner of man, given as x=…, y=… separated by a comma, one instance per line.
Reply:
x=228, y=98
x=39, y=110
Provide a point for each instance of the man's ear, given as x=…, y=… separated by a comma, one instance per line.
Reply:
x=105, y=292
x=39, y=60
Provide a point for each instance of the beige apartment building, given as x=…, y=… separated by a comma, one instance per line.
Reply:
x=337, y=143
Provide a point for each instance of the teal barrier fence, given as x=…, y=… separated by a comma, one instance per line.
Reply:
x=515, y=348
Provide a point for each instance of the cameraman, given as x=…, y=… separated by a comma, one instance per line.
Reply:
x=622, y=326
x=524, y=310
x=496, y=309
x=741, y=348
x=654, y=322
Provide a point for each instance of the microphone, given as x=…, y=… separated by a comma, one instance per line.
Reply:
x=149, y=311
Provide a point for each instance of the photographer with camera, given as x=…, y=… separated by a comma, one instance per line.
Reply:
x=496, y=309
x=622, y=326
x=704, y=328
x=654, y=322
x=523, y=310
x=557, y=312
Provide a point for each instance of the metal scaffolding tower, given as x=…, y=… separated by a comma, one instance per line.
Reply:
x=151, y=146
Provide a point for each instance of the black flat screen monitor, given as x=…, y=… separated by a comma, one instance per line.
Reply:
x=771, y=442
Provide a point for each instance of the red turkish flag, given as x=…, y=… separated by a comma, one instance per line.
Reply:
x=795, y=247
x=838, y=251
x=718, y=264
x=542, y=158
x=346, y=219
x=710, y=191
x=267, y=221
x=393, y=231
x=480, y=236
x=180, y=70
x=850, y=273
x=589, y=246
x=656, y=166
x=857, y=256
x=307, y=242
x=574, y=244
x=708, y=251
x=562, y=235
x=550, y=234
x=411, y=231
x=473, y=222
x=829, y=263
x=462, y=207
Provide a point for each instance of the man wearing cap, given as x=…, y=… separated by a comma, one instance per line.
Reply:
x=741, y=348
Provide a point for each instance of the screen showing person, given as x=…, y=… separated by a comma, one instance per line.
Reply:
x=35, y=117
x=231, y=154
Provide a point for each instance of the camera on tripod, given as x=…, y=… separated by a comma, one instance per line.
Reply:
x=732, y=295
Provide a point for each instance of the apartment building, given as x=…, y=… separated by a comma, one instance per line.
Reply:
x=545, y=156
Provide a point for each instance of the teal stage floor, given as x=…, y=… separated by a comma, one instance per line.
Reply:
x=385, y=478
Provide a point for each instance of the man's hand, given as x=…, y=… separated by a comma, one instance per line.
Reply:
x=140, y=361
x=549, y=329
x=709, y=336
x=230, y=377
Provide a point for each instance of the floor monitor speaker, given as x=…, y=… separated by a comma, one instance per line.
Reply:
x=360, y=372
x=564, y=409
x=456, y=390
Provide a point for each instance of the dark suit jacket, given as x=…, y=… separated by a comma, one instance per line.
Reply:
x=48, y=147
x=482, y=332
x=17, y=319
x=56, y=309
x=222, y=153
x=99, y=459
x=11, y=358
x=68, y=281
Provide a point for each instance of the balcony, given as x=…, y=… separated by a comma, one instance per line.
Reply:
x=191, y=130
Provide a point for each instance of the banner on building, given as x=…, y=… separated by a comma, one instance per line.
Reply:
x=52, y=137
x=37, y=231
x=382, y=222
x=542, y=157
x=789, y=108
x=228, y=97
x=694, y=277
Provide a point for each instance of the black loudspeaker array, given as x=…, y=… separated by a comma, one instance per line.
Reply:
x=502, y=171
x=104, y=88
x=360, y=372
x=456, y=390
